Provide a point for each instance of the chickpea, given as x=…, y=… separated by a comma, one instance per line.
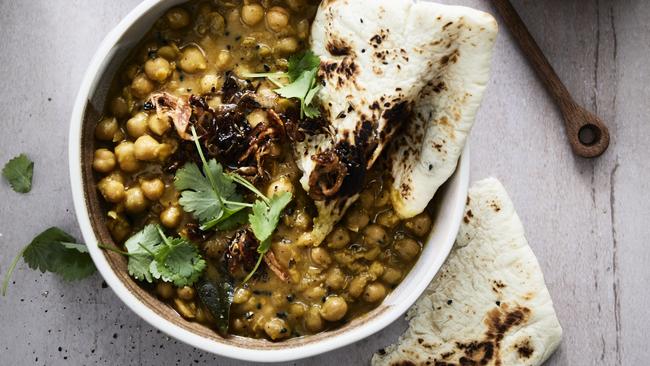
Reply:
x=120, y=229
x=153, y=189
x=297, y=310
x=313, y=319
x=165, y=290
x=277, y=18
x=287, y=46
x=141, y=86
x=356, y=219
x=367, y=199
x=209, y=83
x=320, y=256
x=224, y=58
x=165, y=150
x=177, y=18
x=338, y=238
x=241, y=296
x=276, y=328
x=186, y=293
x=374, y=292
x=280, y=185
x=158, y=125
x=419, y=225
x=171, y=217
x=252, y=14
x=391, y=276
x=137, y=125
x=388, y=219
x=375, y=235
x=334, y=308
x=335, y=279
x=169, y=52
x=300, y=220
x=119, y=107
x=146, y=148
x=407, y=249
x=376, y=269
x=213, y=23
x=315, y=293
x=296, y=5
x=256, y=117
x=357, y=285
x=104, y=161
x=106, y=129
x=192, y=60
x=111, y=190
x=157, y=69
x=383, y=198
x=134, y=200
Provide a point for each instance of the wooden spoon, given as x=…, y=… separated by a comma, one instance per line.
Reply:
x=587, y=134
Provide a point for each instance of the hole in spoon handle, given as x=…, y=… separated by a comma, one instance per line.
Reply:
x=588, y=135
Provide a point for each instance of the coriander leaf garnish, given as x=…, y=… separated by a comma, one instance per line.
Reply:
x=141, y=247
x=265, y=217
x=264, y=221
x=19, y=172
x=153, y=255
x=178, y=261
x=209, y=195
x=55, y=251
x=302, y=74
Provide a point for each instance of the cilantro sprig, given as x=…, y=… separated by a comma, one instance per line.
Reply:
x=264, y=220
x=19, y=172
x=303, y=82
x=54, y=251
x=211, y=197
x=153, y=255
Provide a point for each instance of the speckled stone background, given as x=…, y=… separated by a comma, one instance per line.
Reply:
x=588, y=221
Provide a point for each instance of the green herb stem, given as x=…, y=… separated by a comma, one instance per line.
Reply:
x=12, y=266
x=246, y=184
x=112, y=249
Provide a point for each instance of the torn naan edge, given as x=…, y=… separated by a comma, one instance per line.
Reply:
x=389, y=65
x=489, y=304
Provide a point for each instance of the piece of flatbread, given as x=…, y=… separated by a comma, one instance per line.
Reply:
x=391, y=65
x=489, y=304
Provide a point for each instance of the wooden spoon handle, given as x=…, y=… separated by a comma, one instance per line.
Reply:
x=588, y=135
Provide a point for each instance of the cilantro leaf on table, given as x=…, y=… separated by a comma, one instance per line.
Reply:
x=19, y=172
x=54, y=251
x=302, y=73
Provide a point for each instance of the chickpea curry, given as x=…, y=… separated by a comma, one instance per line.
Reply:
x=195, y=164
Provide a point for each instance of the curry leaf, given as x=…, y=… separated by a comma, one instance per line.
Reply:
x=217, y=295
x=19, y=172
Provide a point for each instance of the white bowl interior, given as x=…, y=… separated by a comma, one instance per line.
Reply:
x=447, y=212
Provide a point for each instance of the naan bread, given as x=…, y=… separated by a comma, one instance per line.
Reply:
x=489, y=304
x=391, y=65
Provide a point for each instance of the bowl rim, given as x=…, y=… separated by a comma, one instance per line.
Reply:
x=382, y=320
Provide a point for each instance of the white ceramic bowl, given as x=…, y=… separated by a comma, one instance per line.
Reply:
x=448, y=210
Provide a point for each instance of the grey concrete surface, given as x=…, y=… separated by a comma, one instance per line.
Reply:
x=587, y=221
